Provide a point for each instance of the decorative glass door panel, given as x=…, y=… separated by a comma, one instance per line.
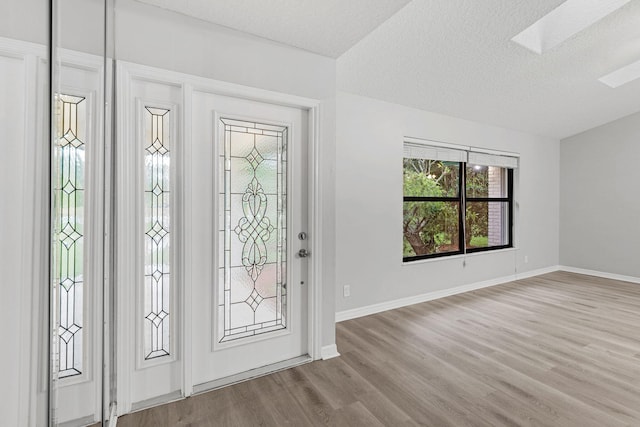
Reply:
x=254, y=190
x=249, y=303
x=69, y=255
x=157, y=162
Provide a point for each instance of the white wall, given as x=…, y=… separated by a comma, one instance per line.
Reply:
x=80, y=23
x=600, y=203
x=148, y=35
x=151, y=36
x=369, y=203
x=26, y=20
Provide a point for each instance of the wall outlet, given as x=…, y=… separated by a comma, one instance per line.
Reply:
x=526, y=259
x=346, y=291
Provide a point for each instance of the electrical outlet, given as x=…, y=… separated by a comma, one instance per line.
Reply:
x=346, y=291
x=526, y=259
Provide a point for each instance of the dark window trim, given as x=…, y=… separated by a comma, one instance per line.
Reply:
x=430, y=199
x=463, y=200
x=462, y=185
x=487, y=248
x=429, y=256
x=487, y=199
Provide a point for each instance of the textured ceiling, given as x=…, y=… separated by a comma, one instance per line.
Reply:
x=453, y=57
x=456, y=57
x=327, y=27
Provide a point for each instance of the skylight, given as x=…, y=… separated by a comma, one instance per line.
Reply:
x=622, y=76
x=566, y=20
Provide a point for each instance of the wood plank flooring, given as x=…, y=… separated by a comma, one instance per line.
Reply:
x=555, y=350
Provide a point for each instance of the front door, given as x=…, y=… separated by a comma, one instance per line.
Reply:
x=210, y=190
x=246, y=209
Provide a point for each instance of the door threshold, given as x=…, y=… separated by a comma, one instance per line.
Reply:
x=156, y=401
x=85, y=421
x=249, y=375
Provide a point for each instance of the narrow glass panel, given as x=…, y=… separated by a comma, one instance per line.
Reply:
x=487, y=224
x=253, y=300
x=430, y=178
x=157, y=231
x=430, y=228
x=70, y=187
x=486, y=181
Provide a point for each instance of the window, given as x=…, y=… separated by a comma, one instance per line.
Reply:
x=157, y=232
x=69, y=248
x=455, y=201
x=254, y=190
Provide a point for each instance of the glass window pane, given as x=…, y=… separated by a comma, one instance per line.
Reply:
x=430, y=178
x=254, y=298
x=486, y=181
x=487, y=224
x=430, y=228
x=70, y=218
x=157, y=159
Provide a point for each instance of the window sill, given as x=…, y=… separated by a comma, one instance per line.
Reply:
x=459, y=256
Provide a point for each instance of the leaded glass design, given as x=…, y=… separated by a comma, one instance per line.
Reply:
x=253, y=298
x=70, y=194
x=156, y=233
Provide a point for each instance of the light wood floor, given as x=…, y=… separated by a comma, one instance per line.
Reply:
x=555, y=350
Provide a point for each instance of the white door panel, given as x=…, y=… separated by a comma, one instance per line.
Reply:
x=13, y=144
x=246, y=283
x=147, y=272
x=78, y=248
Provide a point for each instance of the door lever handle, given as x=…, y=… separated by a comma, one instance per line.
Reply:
x=303, y=253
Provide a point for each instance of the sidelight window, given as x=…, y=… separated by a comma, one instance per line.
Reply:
x=157, y=231
x=69, y=245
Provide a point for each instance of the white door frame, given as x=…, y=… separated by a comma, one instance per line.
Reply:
x=127, y=72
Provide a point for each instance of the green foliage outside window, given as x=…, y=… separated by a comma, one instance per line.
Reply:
x=431, y=227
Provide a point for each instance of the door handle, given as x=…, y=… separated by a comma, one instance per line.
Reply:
x=303, y=253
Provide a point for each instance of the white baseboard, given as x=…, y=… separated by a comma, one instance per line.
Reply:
x=430, y=296
x=538, y=272
x=329, y=352
x=602, y=274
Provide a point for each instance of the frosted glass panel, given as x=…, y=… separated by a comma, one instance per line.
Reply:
x=253, y=193
x=69, y=256
x=156, y=301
